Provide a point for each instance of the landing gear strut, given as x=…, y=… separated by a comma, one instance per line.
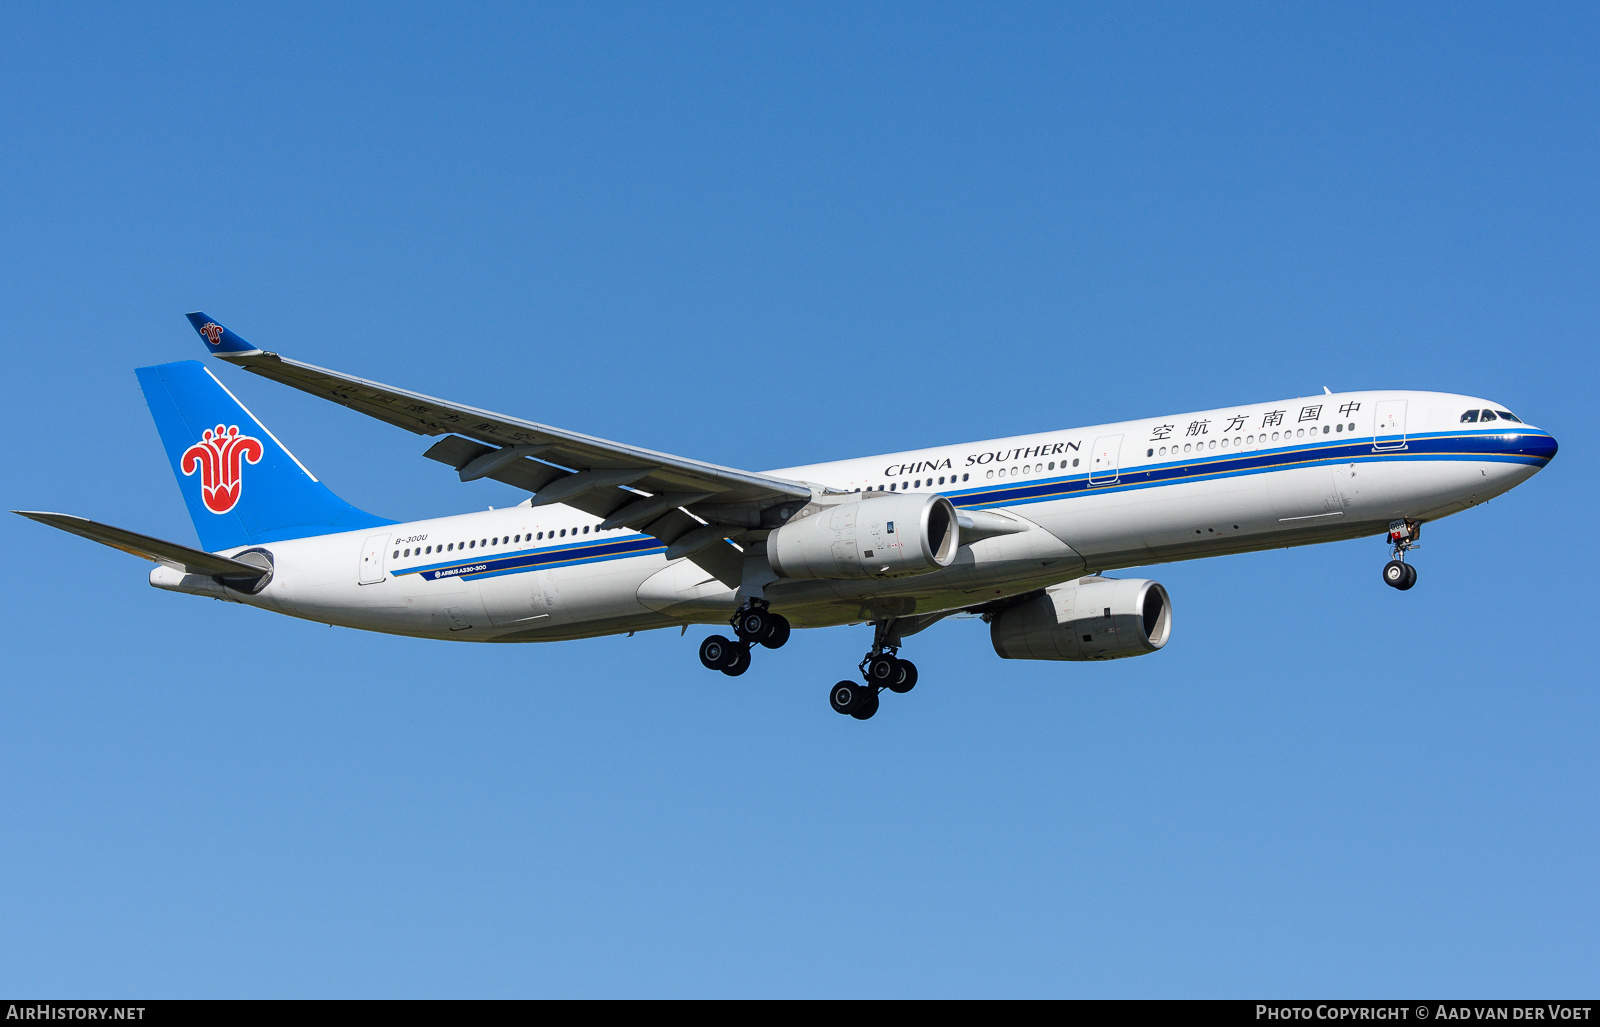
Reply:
x=881, y=668
x=1403, y=536
x=754, y=624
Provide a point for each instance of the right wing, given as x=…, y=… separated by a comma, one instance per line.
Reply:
x=691, y=505
x=168, y=554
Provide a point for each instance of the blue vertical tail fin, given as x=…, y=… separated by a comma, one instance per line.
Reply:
x=241, y=485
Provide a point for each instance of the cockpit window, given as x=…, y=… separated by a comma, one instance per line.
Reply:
x=1506, y=415
x=1487, y=415
x=1470, y=417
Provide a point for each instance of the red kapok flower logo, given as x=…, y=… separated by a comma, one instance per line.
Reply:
x=219, y=456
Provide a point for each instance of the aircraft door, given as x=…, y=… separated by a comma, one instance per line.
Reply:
x=372, y=561
x=1104, y=461
x=1389, y=428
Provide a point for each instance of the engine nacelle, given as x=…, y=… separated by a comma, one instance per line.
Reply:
x=873, y=535
x=1088, y=619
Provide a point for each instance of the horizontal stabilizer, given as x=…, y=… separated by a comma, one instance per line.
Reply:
x=169, y=554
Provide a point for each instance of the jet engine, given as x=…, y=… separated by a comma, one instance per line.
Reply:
x=1089, y=619
x=871, y=535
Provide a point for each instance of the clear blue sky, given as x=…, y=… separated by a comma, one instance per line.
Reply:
x=767, y=235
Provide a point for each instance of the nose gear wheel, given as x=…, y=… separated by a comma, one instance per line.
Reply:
x=1403, y=537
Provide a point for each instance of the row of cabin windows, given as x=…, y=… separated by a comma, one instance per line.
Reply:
x=502, y=540
x=1474, y=416
x=1249, y=440
x=1025, y=469
x=916, y=483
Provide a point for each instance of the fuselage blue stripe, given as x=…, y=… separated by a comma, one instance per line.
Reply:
x=1436, y=446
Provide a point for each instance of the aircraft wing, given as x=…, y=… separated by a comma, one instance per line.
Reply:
x=170, y=554
x=627, y=485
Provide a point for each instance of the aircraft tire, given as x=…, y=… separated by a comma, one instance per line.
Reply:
x=778, y=633
x=845, y=695
x=1395, y=575
x=907, y=679
x=752, y=626
x=1411, y=578
x=883, y=669
x=738, y=662
x=866, y=706
x=714, y=652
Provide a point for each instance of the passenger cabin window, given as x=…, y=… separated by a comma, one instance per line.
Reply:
x=1470, y=417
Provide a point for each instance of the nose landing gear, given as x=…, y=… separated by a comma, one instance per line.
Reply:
x=1403, y=536
x=754, y=624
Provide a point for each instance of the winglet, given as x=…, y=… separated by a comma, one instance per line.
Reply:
x=218, y=339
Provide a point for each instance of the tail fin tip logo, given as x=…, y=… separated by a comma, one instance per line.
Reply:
x=219, y=456
x=213, y=332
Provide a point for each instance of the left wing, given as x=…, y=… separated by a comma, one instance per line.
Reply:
x=692, y=506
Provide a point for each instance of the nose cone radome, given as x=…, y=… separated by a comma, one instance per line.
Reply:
x=1535, y=446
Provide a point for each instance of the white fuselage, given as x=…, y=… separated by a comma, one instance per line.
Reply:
x=1233, y=480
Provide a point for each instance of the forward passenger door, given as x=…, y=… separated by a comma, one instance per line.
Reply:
x=1105, y=460
x=1389, y=427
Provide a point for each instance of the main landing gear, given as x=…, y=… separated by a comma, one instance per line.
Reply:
x=881, y=668
x=754, y=624
x=1403, y=536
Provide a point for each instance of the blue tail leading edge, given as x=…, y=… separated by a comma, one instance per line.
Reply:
x=240, y=483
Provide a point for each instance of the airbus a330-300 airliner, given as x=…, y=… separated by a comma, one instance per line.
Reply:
x=620, y=539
